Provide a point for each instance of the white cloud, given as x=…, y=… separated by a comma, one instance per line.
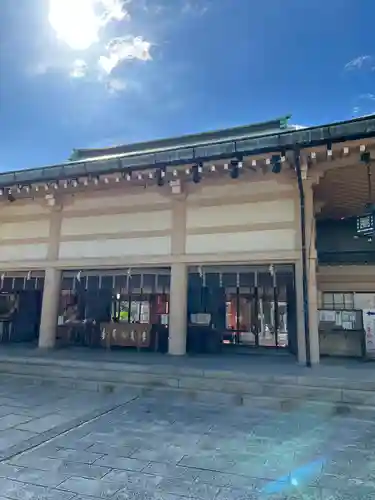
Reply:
x=194, y=7
x=367, y=97
x=113, y=10
x=358, y=63
x=116, y=85
x=80, y=26
x=79, y=69
x=79, y=23
x=38, y=69
x=75, y=23
x=356, y=110
x=121, y=49
x=363, y=104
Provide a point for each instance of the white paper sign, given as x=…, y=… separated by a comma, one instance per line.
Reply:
x=328, y=316
x=369, y=327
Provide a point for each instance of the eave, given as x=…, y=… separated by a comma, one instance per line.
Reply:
x=191, y=140
x=263, y=144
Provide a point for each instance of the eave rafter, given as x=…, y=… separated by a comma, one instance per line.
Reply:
x=321, y=148
x=171, y=177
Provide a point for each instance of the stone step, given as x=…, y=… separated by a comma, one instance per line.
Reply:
x=348, y=382
x=222, y=386
x=289, y=405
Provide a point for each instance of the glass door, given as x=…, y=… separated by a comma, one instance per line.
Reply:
x=267, y=333
x=239, y=319
x=248, y=306
x=273, y=317
x=131, y=309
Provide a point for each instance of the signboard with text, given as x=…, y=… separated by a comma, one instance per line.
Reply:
x=366, y=302
x=365, y=224
x=369, y=326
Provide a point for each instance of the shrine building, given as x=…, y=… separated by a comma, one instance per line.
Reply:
x=256, y=238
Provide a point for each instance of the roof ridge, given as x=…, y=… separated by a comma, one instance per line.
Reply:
x=210, y=135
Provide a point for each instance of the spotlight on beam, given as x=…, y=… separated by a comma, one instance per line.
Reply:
x=10, y=197
x=196, y=172
x=234, y=169
x=235, y=166
x=366, y=157
x=160, y=175
x=276, y=164
x=329, y=149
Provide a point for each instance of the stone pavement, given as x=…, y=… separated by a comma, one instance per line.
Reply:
x=31, y=414
x=167, y=447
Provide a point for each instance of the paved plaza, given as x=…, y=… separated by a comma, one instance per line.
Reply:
x=59, y=444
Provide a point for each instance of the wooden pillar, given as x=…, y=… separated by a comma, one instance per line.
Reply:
x=311, y=268
x=178, y=310
x=50, y=305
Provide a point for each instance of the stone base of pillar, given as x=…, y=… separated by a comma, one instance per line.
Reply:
x=45, y=347
x=172, y=351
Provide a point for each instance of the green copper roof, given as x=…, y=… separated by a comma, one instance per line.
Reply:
x=224, y=145
x=243, y=131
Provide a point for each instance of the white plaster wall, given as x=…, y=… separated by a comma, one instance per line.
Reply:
x=22, y=209
x=246, y=219
x=24, y=230
x=245, y=214
x=251, y=241
x=234, y=188
x=115, y=199
x=115, y=248
x=360, y=279
x=119, y=223
x=19, y=252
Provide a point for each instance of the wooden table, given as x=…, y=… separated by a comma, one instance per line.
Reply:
x=126, y=335
x=84, y=334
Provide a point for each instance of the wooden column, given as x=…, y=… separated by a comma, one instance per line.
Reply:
x=311, y=266
x=50, y=305
x=178, y=310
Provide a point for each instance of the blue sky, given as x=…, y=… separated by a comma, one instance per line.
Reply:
x=148, y=69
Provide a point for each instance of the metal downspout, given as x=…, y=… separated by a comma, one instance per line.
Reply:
x=306, y=318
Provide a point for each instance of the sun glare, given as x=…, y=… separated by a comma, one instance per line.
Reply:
x=79, y=24
x=75, y=22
